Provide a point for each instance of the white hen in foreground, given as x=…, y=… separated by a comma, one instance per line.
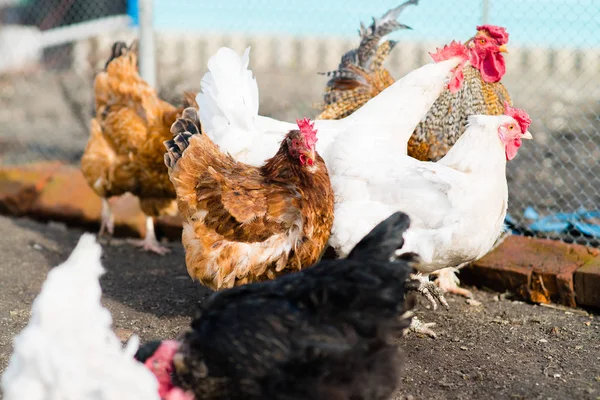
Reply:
x=68, y=350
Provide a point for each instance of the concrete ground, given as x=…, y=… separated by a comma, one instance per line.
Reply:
x=499, y=349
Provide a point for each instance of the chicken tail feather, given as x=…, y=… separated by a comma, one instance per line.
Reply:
x=381, y=243
x=371, y=37
x=182, y=129
x=118, y=49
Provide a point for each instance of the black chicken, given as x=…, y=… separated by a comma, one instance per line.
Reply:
x=322, y=333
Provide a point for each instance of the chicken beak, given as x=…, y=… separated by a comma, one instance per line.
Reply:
x=179, y=363
x=503, y=49
x=527, y=135
x=311, y=156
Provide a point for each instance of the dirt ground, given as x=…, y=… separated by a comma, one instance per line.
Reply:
x=501, y=349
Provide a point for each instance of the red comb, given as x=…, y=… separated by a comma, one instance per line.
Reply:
x=497, y=33
x=308, y=131
x=519, y=115
x=454, y=49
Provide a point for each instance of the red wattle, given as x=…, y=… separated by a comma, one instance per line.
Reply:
x=511, y=149
x=457, y=79
x=492, y=67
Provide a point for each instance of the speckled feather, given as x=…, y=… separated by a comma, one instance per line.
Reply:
x=348, y=94
x=360, y=75
x=446, y=120
x=241, y=223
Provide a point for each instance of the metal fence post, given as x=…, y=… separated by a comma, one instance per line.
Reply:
x=147, y=55
x=485, y=11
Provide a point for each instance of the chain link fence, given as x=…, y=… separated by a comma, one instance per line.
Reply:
x=50, y=51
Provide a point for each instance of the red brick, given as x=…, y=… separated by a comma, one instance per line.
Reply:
x=21, y=185
x=538, y=270
x=68, y=198
x=56, y=191
x=587, y=283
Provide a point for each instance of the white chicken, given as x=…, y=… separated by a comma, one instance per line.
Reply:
x=68, y=350
x=228, y=104
x=457, y=204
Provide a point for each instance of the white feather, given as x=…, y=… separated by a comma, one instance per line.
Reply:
x=68, y=350
x=229, y=111
x=456, y=205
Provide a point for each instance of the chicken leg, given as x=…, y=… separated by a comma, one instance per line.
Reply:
x=448, y=282
x=420, y=283
x=107, y=225
x=150, y=243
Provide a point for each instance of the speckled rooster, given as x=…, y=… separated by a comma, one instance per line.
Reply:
x=361, y=76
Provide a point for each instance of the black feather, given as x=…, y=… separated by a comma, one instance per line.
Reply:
x=182, y=129
x=146, y=351
x=325, y=332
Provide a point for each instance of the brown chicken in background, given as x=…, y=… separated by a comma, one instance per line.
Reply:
x=353, y=84
x=242, y=223
x=125, y=151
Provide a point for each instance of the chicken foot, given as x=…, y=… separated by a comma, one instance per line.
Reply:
x=419, y=326
x=448, y=282
x=421, y=283
x=150, y=243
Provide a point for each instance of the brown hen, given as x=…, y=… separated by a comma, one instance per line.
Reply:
x=125, y=152
x=245, y=224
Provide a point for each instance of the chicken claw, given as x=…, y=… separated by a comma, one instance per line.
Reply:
x=418, y=326
x=150, y=243
x=448, y=283
x=421, y=283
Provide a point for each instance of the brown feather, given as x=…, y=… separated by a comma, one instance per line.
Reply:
x=125, y=150
x=244, y=224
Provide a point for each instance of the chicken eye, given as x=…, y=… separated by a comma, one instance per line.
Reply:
x=511, y=127
x=482, y=41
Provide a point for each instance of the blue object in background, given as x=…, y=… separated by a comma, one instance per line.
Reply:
x=133, y=11
x=584, y=221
